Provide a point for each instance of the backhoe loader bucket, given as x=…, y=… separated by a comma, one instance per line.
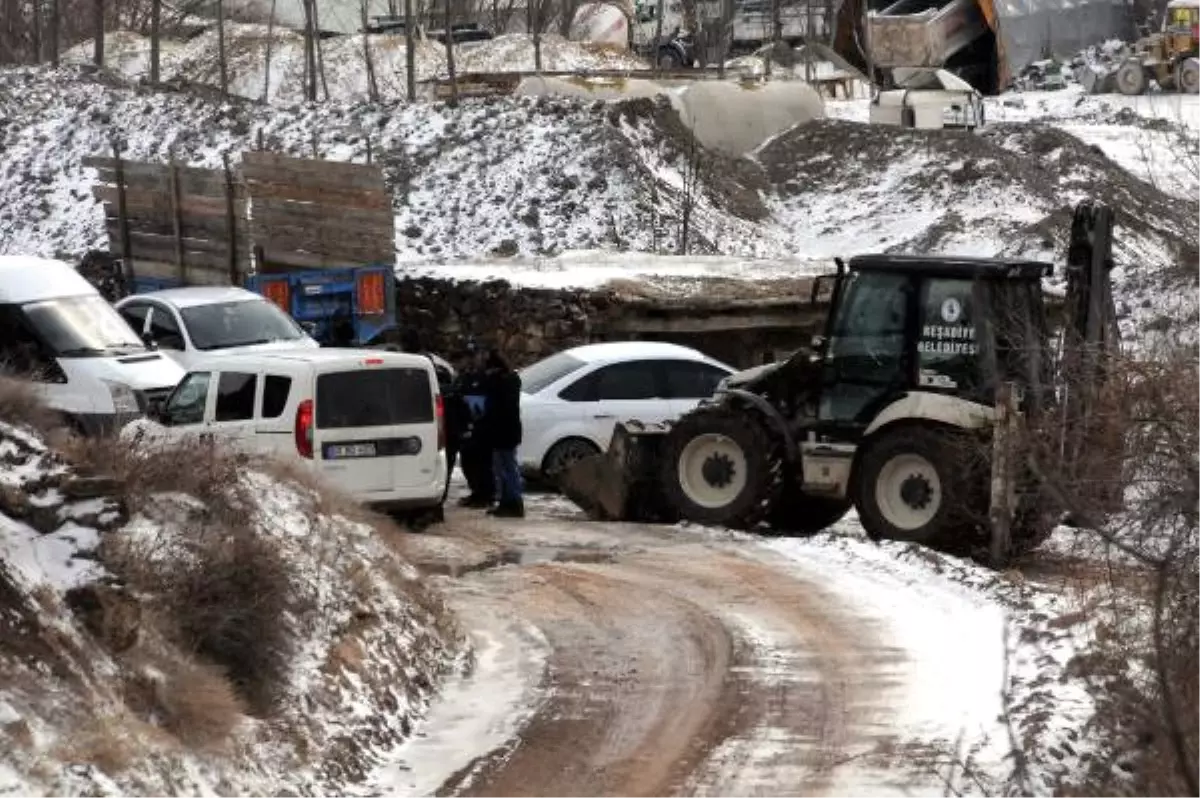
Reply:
x=623, y=483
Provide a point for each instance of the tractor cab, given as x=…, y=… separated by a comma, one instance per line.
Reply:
x=1181, y=25
x=952, y=327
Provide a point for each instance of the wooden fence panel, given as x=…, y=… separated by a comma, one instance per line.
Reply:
x=310, y=213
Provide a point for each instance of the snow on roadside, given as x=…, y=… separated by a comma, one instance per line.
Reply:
x=926, y=598
x=481, y=709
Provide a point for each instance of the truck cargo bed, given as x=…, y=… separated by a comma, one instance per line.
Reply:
x=923, y=33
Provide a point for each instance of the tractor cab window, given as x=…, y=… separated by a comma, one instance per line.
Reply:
x=865, y=360
x=1182, y=18
x=947, y=339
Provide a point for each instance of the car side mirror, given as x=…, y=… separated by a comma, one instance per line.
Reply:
x=818, y=343
x=148, y=340
x=171, y=341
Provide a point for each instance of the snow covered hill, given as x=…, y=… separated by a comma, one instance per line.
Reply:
x=540, y=176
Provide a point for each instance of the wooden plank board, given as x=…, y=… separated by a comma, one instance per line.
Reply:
x=375, y=237
x=209, y=183
x=140, y=239
x=157, y=204
x=284, y=212
x=166, y=254
x=334, y=249
x=204, y=227
x=276, y=262
x=141, y=173
x=273, y=167
x=193, y=274
x=365, y=199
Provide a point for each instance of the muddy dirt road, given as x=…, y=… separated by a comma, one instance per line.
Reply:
x=626, y=660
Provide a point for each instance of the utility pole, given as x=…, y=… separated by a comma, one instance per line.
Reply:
x=410, y=54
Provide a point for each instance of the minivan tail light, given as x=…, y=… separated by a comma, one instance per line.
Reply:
x=440, y=408
x=304, y=429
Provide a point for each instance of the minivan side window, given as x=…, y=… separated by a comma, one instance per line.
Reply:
x=186, y=405
x=235, y=396
x=21, y=354
x=275, y=395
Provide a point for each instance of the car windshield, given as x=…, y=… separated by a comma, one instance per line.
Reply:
x=80, y=326
x=227, y=324
x=548, y=371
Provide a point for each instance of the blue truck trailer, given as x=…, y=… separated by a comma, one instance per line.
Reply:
x=338, y=307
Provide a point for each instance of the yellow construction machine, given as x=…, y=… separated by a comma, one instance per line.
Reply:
x=1170, y=57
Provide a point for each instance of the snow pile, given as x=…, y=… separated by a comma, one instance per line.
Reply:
x=1009, y=674
x=115, y=684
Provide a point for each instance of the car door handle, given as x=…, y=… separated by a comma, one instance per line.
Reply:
x=603, y=415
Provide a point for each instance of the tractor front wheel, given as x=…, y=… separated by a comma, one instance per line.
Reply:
x=1131, y=77
x=721, y=467
x=913, y=484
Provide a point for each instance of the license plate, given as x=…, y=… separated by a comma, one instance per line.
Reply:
x=342, y=451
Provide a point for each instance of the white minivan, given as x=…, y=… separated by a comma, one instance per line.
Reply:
x=369, y=422
x=85, y=361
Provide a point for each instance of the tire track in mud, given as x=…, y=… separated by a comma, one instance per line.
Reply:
x=684, y=669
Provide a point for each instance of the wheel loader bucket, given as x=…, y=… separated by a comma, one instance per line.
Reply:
x=622, y=484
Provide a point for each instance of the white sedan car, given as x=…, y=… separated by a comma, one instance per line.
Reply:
x=572, y=401
x=189, y=323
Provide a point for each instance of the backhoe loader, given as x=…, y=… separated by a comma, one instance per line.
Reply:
x=895, y=410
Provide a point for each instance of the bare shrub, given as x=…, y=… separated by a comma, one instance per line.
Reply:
x=106, y=742
x=205, y=470
x=223, y=593
x=1134, y=492
x=200, y=705
x=21, y=406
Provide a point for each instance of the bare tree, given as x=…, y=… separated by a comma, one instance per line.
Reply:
x=310, y=53
x=658, y=32
x=410, y=52
x=450, y=58
x=372, y=84
x=537, y=35
x=155, y=39
x=224, y=63
x=55, y=24
x=98, y=32
x=267, y=65
x=320, y=48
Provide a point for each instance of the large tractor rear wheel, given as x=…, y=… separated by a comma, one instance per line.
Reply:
x=914, y=484
x=721, y=467
x=1187, y=76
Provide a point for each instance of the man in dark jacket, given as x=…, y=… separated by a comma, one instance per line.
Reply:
x=475, y=449
x=502, y=422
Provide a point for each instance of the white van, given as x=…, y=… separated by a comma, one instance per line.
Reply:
x=85, y=361
x=188, y=323
x=370, y=422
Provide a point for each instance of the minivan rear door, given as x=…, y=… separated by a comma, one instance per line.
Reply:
x=376, y=426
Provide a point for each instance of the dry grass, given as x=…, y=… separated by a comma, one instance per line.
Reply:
x=109, y=742
x=222, y=593
x=21, y=406
x=200, y=705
